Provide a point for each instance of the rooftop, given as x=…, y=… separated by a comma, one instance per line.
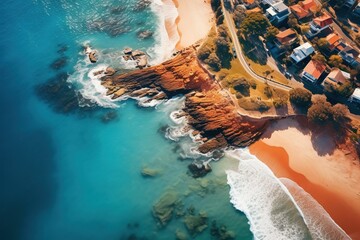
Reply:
x=315, y=68
x=337, y=76
x=299, y=11
x=309, y=5
x=323, y=20
x=286, y=35
x=356, y=94
x=302, y=52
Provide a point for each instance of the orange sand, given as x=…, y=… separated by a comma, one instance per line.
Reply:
x=329, y=175
x=194, y=22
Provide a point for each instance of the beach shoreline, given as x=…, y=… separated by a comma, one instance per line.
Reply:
x=330, y=176
x=194, y=21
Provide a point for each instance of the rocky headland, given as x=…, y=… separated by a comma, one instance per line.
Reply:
x=209, y=111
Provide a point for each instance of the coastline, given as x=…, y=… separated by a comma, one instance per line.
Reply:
x=331, y=177
x=194, y=13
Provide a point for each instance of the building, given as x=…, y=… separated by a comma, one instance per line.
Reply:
x=355, y=97
x=336, y=78
x=356, y=12
x=277, y=13
x=249, y=4
x=304, y=9
x=313, y=71
x=334, y=43
x=348, y=4
x=302, y=52
x=350, y=56
x=319, y=25
x=286, y=37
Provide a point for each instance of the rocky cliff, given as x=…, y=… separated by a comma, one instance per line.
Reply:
x=208, y=110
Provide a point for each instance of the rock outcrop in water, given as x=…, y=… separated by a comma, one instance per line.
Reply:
x=209, y=111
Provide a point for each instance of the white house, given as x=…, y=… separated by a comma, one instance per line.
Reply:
x=301, y=52
x=355, y=97
x=278, y=12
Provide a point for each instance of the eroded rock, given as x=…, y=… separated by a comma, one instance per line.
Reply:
x=164, y=208
x=195, y=224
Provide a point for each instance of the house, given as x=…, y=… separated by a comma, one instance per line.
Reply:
x=254, y=10
x=269, y=3
x=334, y=43
x=336, y=78
x=348, y=4
x=249, y=4
x=286, y=37
x=304, y=9
x=319, y=25
x=313, y=71
x=350, y=56
x=277, y=13
x=356, y=12
x=302, y=52
x=355, y=97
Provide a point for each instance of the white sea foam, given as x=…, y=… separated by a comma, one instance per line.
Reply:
x=319, y=222
x=272, y=212
x=166, y=11
x=277, y=208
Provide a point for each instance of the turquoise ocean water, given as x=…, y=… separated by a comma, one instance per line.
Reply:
x=71, y=159
x=65, y=174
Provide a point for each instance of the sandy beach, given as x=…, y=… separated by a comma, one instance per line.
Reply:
x=310, y=159
x=194, y=21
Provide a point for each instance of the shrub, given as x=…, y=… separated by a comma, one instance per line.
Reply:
x=223, y=52
x=300, y=97
x=242, y=85
x=279, y=102
x=340, y=113
x=203, y=53
x=254, y=24
x=271, y=33
x=320, y=111
x=335, y=61
x=267, y=91
x=214, y=62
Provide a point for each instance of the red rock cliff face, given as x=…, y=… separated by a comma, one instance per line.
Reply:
x=209, y=111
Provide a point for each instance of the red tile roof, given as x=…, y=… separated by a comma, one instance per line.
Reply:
x=299, y=11
x=335, y=76
x=315, y=68
x=309, y=5
x=333, y=40
x=286, y=36
x=323, y=20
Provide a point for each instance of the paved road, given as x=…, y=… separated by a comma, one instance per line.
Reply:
x=231, y=26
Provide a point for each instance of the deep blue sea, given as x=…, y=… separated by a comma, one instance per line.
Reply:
x=69, y=172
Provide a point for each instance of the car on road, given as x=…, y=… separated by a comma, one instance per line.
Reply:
x=288, y=75
x=234, y=52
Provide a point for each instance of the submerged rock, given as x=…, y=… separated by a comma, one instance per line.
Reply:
x=63, y=97
x=199, y=170
x=142, y=5
x=195, y=224
x=117, y=10
x=59, y=63
x=109, y=116
x=221, y=233
x=180, y=235
x=144, y=34
x=165, y=207
x=149, y=172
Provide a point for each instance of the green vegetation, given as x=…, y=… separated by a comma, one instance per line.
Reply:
x=322, y=111
x=271, y=33
x=254, y=24
x=335, y=61
x=300, y=97
x=239, y=15
x=254, y=104
x=319, y=58
x=344, y=90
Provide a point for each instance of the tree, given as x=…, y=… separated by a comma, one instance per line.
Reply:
x=214, y=62
x=222, y=30
x=271, y=33
x=239, y=15
x=335, y=61
x=254, y=24
x=319, y=58
x=322, y=44
x=320, y=110
x=215, y=4
x=293, y=22
x=300, y=97
x=340, y=113
x=242, y=85
x=223, y=51
x=203, y=53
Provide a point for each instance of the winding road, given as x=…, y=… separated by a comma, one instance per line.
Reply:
x=231, y=26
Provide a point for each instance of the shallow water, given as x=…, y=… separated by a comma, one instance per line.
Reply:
x=65, y=174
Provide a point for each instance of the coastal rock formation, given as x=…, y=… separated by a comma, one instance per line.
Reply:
x=209, y=111
x=144, y=34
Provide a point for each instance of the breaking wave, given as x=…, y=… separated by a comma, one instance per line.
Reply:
x=277, y=208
